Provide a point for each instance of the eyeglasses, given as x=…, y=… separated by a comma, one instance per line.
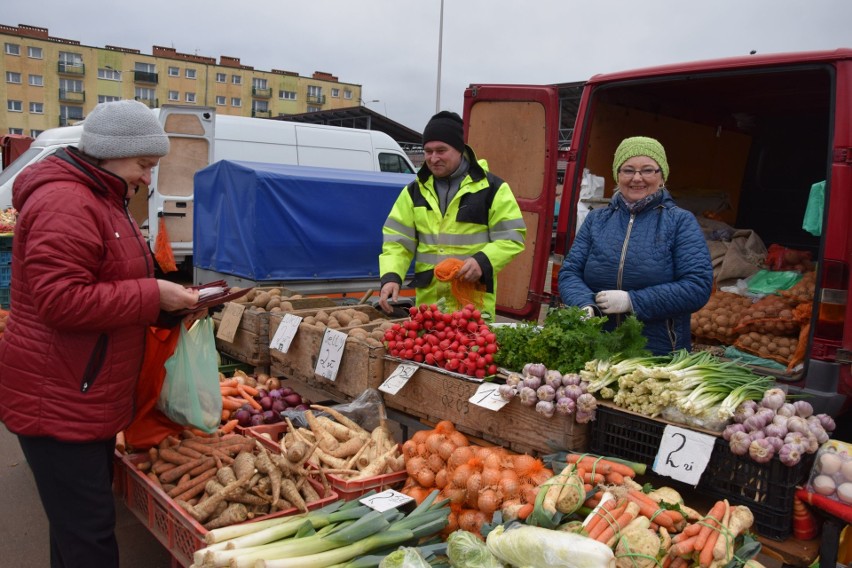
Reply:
x=644, y=172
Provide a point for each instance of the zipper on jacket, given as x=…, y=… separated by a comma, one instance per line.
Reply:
x=670, y=327
x=145, y=252
x=96, y=361
x=622, y=259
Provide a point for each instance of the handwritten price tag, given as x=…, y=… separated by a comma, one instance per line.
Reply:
x=488, y=396
x=285, y=333
x=386, y=500
x=683, y=454
x=398, y=378
x=230, y=321
x=330, y=354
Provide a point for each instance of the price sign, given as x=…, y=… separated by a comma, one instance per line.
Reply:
x=231, y=317
x=330, y=353
x=683, y=454
x=285, y=333
x=386, y=500
x=488, y=396
x=398, y=378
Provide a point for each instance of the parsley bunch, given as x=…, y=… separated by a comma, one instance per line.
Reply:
x=567, y=340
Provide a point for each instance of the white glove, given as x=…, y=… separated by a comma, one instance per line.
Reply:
x=614, y=301
x=590, y=312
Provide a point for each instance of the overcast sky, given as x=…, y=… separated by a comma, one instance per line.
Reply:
x=390, y=47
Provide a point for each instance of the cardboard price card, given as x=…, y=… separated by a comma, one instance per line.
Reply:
x=386, y=500
x=285, y=333
x=231, y=318
x=330, y=354
x=683, y=454
x=398, y=378
x=488, y=396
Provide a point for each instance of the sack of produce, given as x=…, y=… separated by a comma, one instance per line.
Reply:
x=779, y=348
x=772, y=315
x=803, y=290
x=783, y=258
x=718, y=318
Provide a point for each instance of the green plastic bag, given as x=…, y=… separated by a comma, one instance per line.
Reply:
x=812, y=222
x=770, y=281
x=747, y=359
x=190, y=395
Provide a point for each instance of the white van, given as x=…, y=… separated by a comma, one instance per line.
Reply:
x=200, y=137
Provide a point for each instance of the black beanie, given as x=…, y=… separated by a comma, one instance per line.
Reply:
x=446, y=127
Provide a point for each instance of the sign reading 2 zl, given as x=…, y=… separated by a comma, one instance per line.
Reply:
x=330, y=354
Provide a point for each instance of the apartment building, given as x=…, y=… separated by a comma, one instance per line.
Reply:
x=49, y=81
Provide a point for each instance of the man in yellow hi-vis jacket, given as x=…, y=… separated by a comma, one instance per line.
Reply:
x=454, y=209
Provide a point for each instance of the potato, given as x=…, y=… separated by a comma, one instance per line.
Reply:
x=261, y=300
x=274, y=302
x=322, y=316
x=310, y=320
x=274, y=292
x=286, y=306
x=343, y=317
x=363, y=317
x=358, y=332
x=377, y=334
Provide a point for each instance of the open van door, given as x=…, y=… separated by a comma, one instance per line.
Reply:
x=515, y=129
x=191, y=134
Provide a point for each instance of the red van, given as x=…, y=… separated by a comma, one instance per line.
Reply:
x=747, y=138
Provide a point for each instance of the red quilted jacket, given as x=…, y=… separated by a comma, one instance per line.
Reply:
x=83, y=292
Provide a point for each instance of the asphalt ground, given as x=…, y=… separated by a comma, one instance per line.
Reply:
x=24, y=528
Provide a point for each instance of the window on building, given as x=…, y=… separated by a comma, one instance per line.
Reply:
x=287, y=95
x=12, y=77
x=70, y=59
x=347, y=94
x=190, y=97
x=109, y=74
x=314, y=91
x=36, y=80
x=312, y=108
x=70, y=112
x=71, y=85
x=145, y=94
x=174, y=96
x=335, y=93
x=236, y=102
x=258, y=83
x=108, y=99
x=37, y=108
x=174, y=72
x=236, y=79
x=221, y=77
x=19, y=131
x=34, y=133
x=35, y=53
x=14, y=106
x=221, y=100
x=13, y=49
x=190, y=73
x=144, y=67
x=260, y=106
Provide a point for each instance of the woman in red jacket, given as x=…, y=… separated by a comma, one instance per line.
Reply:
x=84, y=293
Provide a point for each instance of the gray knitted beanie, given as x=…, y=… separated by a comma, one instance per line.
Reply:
x=123, y=129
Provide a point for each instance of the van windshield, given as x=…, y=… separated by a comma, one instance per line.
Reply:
x=394, y=163
x=16, y=166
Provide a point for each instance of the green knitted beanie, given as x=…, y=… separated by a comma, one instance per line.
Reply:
x=640, y=146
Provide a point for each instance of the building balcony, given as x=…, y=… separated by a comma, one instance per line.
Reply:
x=316, y=99
x=259, y=93
x=69, y=120
x=257, y=113
x=150, y=103
x=145, y=77
x=78, y=69
x=67, y=96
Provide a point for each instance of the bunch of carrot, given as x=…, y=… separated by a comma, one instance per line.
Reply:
x=234, y=395
x=709, y=541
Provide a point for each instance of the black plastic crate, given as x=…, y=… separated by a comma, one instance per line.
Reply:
x=5, y=274
x=4, y=298
x=5, y=243
x=228, y=365
x=766, y=489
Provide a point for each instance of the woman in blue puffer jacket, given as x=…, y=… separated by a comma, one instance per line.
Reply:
x=641, y=254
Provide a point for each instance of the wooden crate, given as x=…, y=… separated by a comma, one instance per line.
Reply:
x=361, y=365
x=435, y=396
x=251, y=341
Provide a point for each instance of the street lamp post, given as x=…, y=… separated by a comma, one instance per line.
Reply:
x=440, y=47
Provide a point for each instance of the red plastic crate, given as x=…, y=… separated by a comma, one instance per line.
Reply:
x=270, y=434
x=168, y=522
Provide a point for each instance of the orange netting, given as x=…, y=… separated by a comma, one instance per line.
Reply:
x=464, y=292
x=163, y=249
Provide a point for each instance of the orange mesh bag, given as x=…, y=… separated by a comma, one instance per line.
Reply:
x=803, y=290
x=773, y=315
x=779, y=348
x=163, y=249
x=464, y=292
x=150, y=426
x=715, y=322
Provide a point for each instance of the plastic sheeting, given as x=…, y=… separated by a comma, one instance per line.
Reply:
x=280, y=222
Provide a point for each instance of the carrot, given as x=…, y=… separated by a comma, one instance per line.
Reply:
x=705, y=556
x=230, y=391
x=667, y=561
x=615, y=478
x=525, y=511
x=689, y=530
x=679, y=562
x=592, y=479
x=627, y=514
x=599, y=511
x=608, y=518
x=185, y=490
x=651, y=509
x=710, y=523
x=228, y=426
x=244, y=393
x=232, y=382
x=684, y=547
x=600, y=465
x=231, y=403
x=249, y=389
x=176, y=472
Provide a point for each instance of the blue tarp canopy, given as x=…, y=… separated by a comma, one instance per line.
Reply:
x=279, y=222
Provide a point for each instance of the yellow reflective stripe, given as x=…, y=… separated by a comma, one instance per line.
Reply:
x=445, y=239
x=401, y=240
x=434, y=259
x=508, y=224
x=394, y=225
x=513, y=235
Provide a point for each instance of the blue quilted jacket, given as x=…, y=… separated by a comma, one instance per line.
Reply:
x=658, y=255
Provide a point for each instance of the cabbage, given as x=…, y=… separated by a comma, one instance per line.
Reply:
x=404, y=557
x=467, y=551
x=524, y=545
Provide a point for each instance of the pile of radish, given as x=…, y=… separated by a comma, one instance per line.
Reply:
x=460, y=341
